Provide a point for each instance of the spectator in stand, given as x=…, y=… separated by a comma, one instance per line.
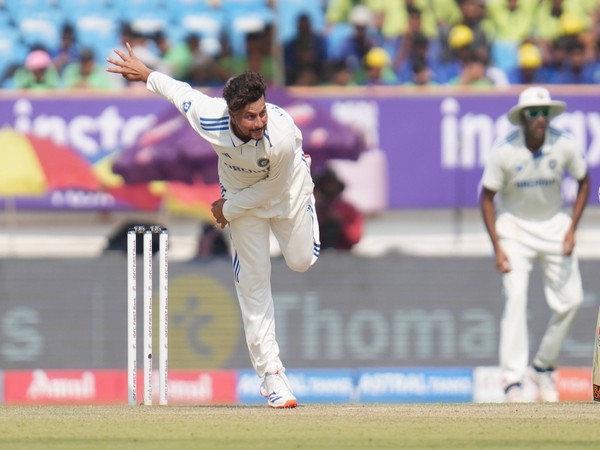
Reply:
x=307, y=76
x=422, y=75
x=415, y=52
x=38, y=73
x=553, y=15
x=447, y=13
x=472, y=73
x=595, y=71
x=340, y=74
x=125, y=33
x=590, y=11
x=426, y=16
x=473, y=17
x=461, y=40
x=68, y=51
x=257, y=58
x=556, y=18
x=305, y=54
x=391, y=17
x=224, y=57
x=415, y=46
x=356, y=46
x=340, y=223
x=529, y=66
x=512, y=21
x=572, y=26
x=385, y=16
x=86, y=74
x=555, y=59
x=377, y=69
x=143, y=46
x=575, y=70
x=181, y=56
x=190, y=61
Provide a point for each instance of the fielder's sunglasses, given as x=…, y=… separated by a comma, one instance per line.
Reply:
x=534, y=113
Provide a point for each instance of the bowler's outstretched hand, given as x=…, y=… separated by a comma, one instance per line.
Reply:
x=129, y=66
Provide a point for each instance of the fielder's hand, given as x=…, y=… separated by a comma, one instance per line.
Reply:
x=569, y=243
x=502, y=263
x=130, y=67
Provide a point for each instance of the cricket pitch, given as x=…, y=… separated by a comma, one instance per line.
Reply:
x=347, y=426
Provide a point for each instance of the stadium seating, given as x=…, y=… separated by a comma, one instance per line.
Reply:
x=336, y=36
x=99, y=32
x=20, y=8
x=130, y=9
x=72, y=9
x=12, y=50
x=41, y=28
x=241, y=21
x=287, y=14
x=96, y=23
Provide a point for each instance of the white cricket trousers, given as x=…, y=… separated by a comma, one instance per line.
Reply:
x=298, y=238
x=526, y=243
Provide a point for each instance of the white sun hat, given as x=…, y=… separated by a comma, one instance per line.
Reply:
x=533, y=97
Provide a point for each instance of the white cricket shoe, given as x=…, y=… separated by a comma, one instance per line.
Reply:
x=514, y=393
x=546, y=385
x=276, y=389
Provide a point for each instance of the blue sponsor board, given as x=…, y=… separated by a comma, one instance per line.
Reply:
x=415, y=385
x=309, y=386
x=248, y=388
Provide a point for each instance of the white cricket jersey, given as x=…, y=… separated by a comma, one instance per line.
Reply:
x=529, y=185
x=267, y=177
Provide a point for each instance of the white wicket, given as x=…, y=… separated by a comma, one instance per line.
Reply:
x=131, y=317
x=163, y=338
x=163, y=369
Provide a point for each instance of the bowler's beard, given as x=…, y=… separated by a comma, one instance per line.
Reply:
x=244, y=137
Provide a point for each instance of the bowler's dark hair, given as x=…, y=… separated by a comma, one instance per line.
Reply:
x=244, y=89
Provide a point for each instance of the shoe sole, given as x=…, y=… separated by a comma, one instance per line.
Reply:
x=288, y=404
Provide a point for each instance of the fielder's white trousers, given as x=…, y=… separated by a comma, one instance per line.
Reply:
x=298, y=238
x=526, y=243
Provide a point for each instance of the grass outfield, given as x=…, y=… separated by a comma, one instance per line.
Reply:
x=420, y=426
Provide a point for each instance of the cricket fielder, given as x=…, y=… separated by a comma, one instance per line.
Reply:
x=266, y=186
x=526, y=168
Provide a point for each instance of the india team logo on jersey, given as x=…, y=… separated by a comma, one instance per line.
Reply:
x=552, y=164
x=263, y=162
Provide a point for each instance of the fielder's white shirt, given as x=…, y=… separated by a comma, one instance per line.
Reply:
x=529, y=185
x=266, y=178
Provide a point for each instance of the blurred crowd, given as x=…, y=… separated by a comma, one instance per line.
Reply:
x=326, y=42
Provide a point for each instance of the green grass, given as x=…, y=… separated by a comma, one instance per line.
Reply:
x=435, y=426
